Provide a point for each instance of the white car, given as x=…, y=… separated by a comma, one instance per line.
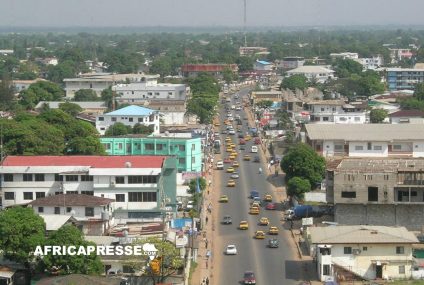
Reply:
x=220, y=165
x=231, y=250
x=235, y=175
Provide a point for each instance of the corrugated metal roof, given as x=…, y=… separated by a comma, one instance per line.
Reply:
x=132, y=110
x=361, y=234
x=263, y=62
x=310, y=69
x=55, y=222
x=84, y=105
x=366, y=132
x=72, y=200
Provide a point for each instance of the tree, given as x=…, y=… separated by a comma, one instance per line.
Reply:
x=377, y=116
x=346, y=67
x=302, y=161
x=89, y=145
x=7, y=92
x=203, y=106
x=118, y=129
x=297, y=186
x=40, y=91
x=203, y=84
x=21, y=231
x=70, y=108
x=193, y=185
x=264, y=104
x=419, y=91
x=142, y=129
x=69, y=235
x=57, y=73
x=166, y=263
x=228, y=75
x=161, y=66
x=245, y=63
x=86, y=95
x=297, y=81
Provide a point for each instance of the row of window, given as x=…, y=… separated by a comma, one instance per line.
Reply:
x=30, y=195
x=348, y=249
x=137, y=179
x=372, y=194
x=367, y=177
x=38, y=177
x=89, y=211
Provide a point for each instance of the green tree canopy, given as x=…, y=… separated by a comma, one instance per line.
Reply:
x=86, y=95
x=162, y=66
x=203, y=106
x=297, y=187
x=40, y=91
x=142, y=129
x=21, y=231
x=264, y=104
x=297, y=81
x=302, y=161
x=65, y=69
x=69, y=235
x=203, y=84
x=378, y=115
x=346, y=67
x=419, y=91
x=118, y=129
x=70, y=108
x=245, y=63
x=7, y=92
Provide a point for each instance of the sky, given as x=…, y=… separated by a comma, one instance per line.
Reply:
x=210, y=13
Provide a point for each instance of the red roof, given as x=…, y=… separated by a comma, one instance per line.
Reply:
x=72, y=200
x=208, y=67
x=94, y=161
x=408, y=113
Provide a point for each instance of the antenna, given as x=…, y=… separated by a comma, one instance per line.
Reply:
x=244, y=22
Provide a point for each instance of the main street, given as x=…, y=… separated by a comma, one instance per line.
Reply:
x=270, y=265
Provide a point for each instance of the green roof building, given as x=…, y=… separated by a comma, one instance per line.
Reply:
x=188, y=151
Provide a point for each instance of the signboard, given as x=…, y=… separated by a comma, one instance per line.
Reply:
x=181, y=241
x=191, y=175
x=307, y=221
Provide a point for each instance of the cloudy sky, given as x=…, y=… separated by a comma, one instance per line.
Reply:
x=97, y=13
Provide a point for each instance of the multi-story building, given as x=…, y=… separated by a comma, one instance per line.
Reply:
x=100, y=81
x=366, y=140
x=172, y=112
x=188, y=151
x=371, y=62
x=140, y=185
x=316, y=73
x=258, y=96
x=129, y=116
x=403, y=78
x=377, y=191
x=335, y=112
x=362, y=252
x=191, y=70
x=407, y=117
x=344, y=55
x=291, y=62
x=21, y=85
x=263, y=66
x=89, y=108
x=398, y=54
x=248, y=51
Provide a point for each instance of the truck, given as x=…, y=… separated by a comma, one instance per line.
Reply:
x=303, y=211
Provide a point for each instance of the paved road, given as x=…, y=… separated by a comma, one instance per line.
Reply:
x=271, y=266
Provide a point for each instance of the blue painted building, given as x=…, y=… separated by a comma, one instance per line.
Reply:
x=403, y=78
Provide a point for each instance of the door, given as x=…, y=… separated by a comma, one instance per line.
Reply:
x=378, y=271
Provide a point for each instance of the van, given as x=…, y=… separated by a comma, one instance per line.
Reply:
x=220, y=165
x=254, y=149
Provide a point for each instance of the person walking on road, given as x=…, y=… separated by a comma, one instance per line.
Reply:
x=207, y=280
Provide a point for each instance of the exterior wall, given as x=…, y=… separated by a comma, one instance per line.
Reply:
x=350, y=118
x=418, y=149
x=78, y=211
x=173, y=118
x=399, y=79
x=98, y=86
x=183, y=149
x=102, y=126
x=318, y=77
x=141, y=92
x=365, y=152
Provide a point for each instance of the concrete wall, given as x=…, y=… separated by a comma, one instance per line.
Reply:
x=316, y=197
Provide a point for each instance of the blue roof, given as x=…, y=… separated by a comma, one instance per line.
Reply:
x=263, y=62
x=132, y=111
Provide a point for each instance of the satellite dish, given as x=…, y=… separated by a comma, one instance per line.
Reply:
x=73, y=213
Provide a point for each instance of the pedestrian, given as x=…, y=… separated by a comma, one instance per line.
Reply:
x=210, y=183
x=206, y=243
x=208, y=254
x=207, y=280
x=207, y=220
x=291, y=224
x=269, y=166
x=207, y=264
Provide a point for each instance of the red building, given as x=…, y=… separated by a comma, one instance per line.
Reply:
x=191, y=70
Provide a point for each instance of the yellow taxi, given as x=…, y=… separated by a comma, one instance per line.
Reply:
x=236, y=164
x=264, y=221
x=254, y=211
x=231, y=183
x=232, y=157
x=243, y=225
x=234, y=153
x=223, y=199
x=232, y=145
x=227, y=139
x=217, y=124
x=268, y=198
x=230, y=169
x=259, y=235
x=229, y=149
x=246, y=157
x=247, y=138
x=273, y=230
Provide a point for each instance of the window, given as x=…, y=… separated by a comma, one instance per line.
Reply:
x=89, y=211
x=86, y=178
x=71, y=192
x=367, y=177
x=347, y=250
x=326, y=269
x=369, y=146
x=359, y=147
x=386, y=177
x=160, y=146
x=364, y=248
x=193, y=147
x=357, y=119
x=338, y=147
x=9, y=195
x=120, y=146
x=58, y=177
x=156, y=93
x=325, y=119
x=181, y=160
x=41, y=209
x=149, y=197
x=28, y=196
x=130, y=119
x=149, y=93
x=181, y=147
x=372, y=194
x=342, y=119
x=39, y=195
x=378, y=147
x=68, y=209
x=27, y=177
x=149, y=146
x=71, y=178
x=120, y=197
x=140, y=120
x=135, y=179
x=91, y=193
x=397, y=147
x=348, y=194
x=113, y=119
x=8, y=177
x=106, y=146
x=57, y=210
x=135, y=196
x=119, y=179
x=401, y=269
x=400, y=250
x=101, y=118
x=193, y=160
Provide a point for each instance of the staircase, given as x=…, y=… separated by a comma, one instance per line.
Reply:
x=356, y=272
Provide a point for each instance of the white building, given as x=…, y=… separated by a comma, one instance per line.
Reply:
x=140, y=92
x=316, y=73
x=367, y=140
x=290, y=62
x=370, y=252
x=371, y=62
x=261, y=65
x=334, y=112
x=344, y=55
x=407, y=117
x=171, y=112
x=21, y=85
x=129, y=116
x=100, y=81
x=88, y=107
x=138, y=184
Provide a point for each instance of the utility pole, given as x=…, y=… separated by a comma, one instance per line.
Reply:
x=244, y=22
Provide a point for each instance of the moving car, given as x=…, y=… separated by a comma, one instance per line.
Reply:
x=254, y=211
x=230, y=169
x=273, y=230
x=257, y=141
x=254, y=194
x=243, y=225
x=264, y=221
x=256, y=159
x=268, y=198
x=242, y=141
x=271, y=206
x=227, y=160
x=247, y=138
x=273, y=243
x=249, y=277
x=259, y=235
x=232, y=157
x=246, y=157
x=231, y=250
x=254, y=149
x=236, y=164
x=227, y=220
x=223, y=199
x=231, y=183
x=235, y=175
x=242, y=147
x=220, y=165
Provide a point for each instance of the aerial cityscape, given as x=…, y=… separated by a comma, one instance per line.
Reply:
x=211, y=142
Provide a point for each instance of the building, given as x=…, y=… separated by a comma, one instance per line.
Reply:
x=263, y=66
x=47, y=61
x=54, y=222
x=188, y=151
x=89, y=108
x=150, y=90
x=367, y=140
x=371, y=62
x=129, y=116
x=377, y=191
x=171, y=112
x=99, y=81
x=192, y=70
x=335, y=112
x=138, y=184
x=407, y=116
x=317, y=73
x=398, y=54
x=344, y=55
x=248, y=51
x=344, y=253
x=291, y=62
x=21, y=85
x=92, y=213
x=403, y=78
x=258, y=96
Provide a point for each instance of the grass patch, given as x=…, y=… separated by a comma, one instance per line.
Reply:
x=407, y=282
x=193, y=266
